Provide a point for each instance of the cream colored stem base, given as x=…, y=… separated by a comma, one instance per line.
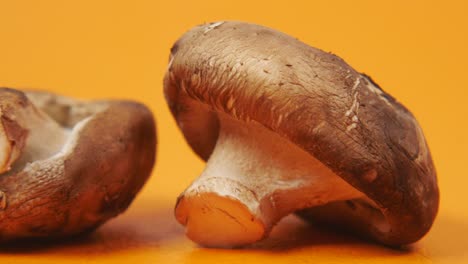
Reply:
x=253, y=178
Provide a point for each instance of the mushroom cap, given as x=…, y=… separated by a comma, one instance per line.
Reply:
x=319, y=103
x=105, y=161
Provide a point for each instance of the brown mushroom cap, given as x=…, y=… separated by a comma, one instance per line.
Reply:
x=318, y=102
x=104, y=153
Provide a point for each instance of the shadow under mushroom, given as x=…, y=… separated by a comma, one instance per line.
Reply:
x=137, y=229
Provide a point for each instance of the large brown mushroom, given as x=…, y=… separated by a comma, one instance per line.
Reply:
x=285, y=127
x=67, y=166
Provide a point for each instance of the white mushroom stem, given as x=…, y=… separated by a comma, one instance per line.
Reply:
x=253, y=178
x=28, y=135
x=8, y=152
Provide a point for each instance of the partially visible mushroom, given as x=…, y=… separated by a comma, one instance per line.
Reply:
x=67, y=166
x=284, y=128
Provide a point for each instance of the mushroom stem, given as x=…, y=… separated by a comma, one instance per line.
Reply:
x=253, y=178
x=26, y=133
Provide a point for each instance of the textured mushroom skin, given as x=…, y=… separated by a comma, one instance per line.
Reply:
x=318, y=102
x=94, y=178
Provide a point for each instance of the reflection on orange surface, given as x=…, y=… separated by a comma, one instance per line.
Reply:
x=416, y=50
x=150, y=233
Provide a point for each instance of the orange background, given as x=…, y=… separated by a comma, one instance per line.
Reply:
x=416, y=50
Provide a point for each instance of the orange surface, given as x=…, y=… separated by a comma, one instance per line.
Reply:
x=416, y=50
